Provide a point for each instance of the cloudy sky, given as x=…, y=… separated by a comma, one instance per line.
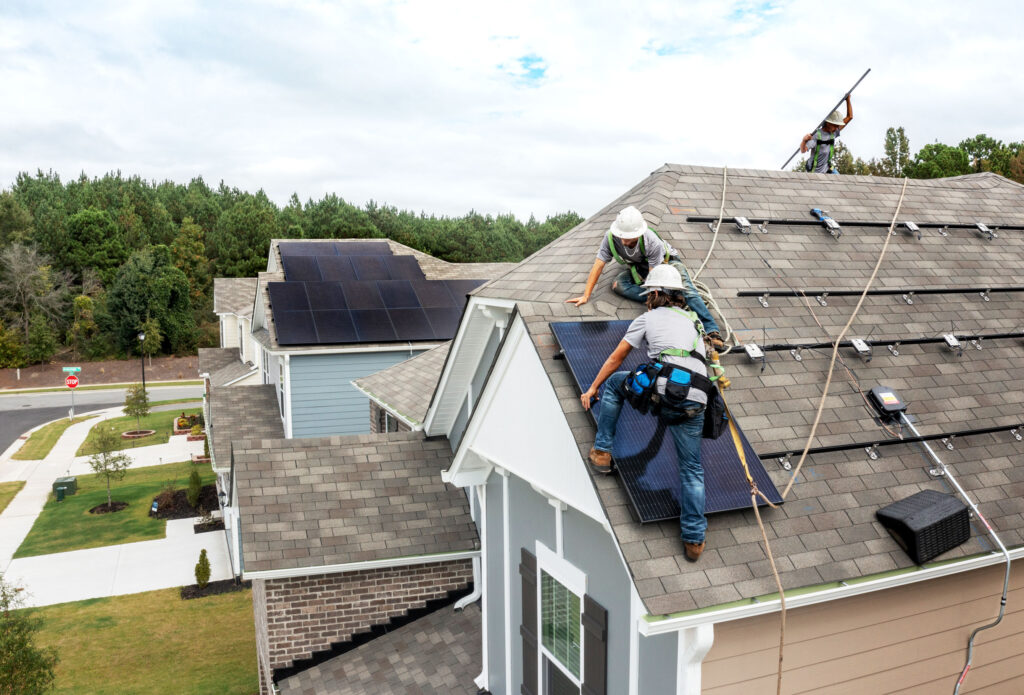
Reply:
x=524, y=107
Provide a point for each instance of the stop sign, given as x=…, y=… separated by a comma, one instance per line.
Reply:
x=71, y=380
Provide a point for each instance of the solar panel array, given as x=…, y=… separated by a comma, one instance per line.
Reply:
x=357, y=292
x=645, y=456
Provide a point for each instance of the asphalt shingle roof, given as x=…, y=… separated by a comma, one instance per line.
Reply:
x=826, y=531
x=234, y=296
x=406, y=387
x=439, y=653
x=223, y=365
x=241, y=412
x=343, y=499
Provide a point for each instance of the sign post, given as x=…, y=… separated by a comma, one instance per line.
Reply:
x=71, y=381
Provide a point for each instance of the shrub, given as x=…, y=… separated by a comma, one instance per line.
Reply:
x=195, y=488
x=206, y=447
x=181, y=423
x=203, y=570
x=165, y=498
x=196, y=430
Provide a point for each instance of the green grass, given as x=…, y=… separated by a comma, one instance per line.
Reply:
x=198, y=399
x=8, y=491
x=104, y=387
x=153, y=642
x=68, y=525
x=43, y=439
x=162, y=422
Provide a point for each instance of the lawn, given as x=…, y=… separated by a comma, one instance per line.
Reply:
x=8, y=491
x=162, y=422
x=68, y=525
x=43, y=439
x=153, y=642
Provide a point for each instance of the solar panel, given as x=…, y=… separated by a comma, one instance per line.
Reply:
x=336, y=268
x=362, y=248
x=288, y=296
x=306, y=248
x=300, y=268
x=373, y=326
x=460, y=288
x=370, y=268
x=334, y=327
x=411, y=324
x=398, y=294
x=434, y=293
x=362, y=295
x=404, y=268
x=295, y=328
x=325, y=296
x=444, y=321
x=645, y=456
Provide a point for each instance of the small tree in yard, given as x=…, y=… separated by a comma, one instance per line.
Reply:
x=203, y=570
x=25, y=668
x=136, y=404
x=195, y=488
x=107, y=462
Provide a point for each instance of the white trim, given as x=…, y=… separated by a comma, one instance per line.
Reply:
x=694, y=643
x=636, y=612
x=660, y=627
x=414, y=426
x=507, y=579
x=397, y=347
x=367, y=565
x=573, y=579
x=236, y=380
x=288, y=396
x=483, y=680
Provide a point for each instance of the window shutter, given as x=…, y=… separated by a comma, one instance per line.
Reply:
x=595, y=648
x=528, y=627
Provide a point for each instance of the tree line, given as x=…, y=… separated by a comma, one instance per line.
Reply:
x=89, y=263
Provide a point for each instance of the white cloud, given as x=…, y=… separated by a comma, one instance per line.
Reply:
x=428, y=105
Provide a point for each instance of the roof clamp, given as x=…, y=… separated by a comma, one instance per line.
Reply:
x=872, y=452
x=912, y=228
x=754, y=352
x=953, y=344
x=763, y=227
x=784, y=461
x=894, y=348
x=985, y=231
x=863, y=348
x=763, y=300
x=822, y=298
x=936, y=472
x=742, y=224
x=985, y=295
x=795, y=352
x=948, y=441
x=944, y=231
x=976, y=342
x=1016, y=434
x=909, y=297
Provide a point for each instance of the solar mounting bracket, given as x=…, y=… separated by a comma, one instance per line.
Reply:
x=1016, y=434
x=976, y=342
x=909, y=297
x=863, y=349
x=754, y=351
x=894, y=348
x=948, y=441
x=784, y=461
x=912, y=228
x=985, y=295
x=763, y=300
x=872, y=452
x=954, y=344
x=795, y=352
x=983, y=229
x=822, y=298
x=742, y=224
x=944, y=231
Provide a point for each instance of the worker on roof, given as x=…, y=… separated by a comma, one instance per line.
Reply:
x=822, y=142
x=631, y=243
x=678, y=355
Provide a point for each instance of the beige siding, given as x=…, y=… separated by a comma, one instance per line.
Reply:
x=911, y=639
x=228, y=331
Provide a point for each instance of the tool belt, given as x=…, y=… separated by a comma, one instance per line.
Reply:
x=663, y=389
x=716, y=417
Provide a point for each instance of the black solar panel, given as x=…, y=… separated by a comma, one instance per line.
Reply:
x=370, y=268
x=460, y=288
x=300, y=268
x=325, y=296
x=362, y=248
x=288, y=296
x=362, y=295
x=411, y=324
x=398, y=294
x=336, y=268
x=434, y=293
x=306, y=248
x=295, y=328
x=404, y=268
x=445, y=322
x=334, y=327
x=373, y=326
x=645, y=456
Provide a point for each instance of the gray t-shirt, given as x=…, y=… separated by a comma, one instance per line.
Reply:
x=654, y=250
x=666, y=329
x=819, y=145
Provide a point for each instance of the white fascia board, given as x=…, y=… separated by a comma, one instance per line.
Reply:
x=456, y=346
x=357, y=566
x=413, y=425
x=397, y=347
x=244, y=376
x=651, y=625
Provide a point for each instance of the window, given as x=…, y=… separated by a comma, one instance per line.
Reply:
x=560, y=633
x=385, y=422
x=280, y=384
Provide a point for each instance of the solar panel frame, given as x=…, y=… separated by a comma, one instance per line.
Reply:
x=288, y=296
x=306, y=248
x=645, y=457
x=301, y=269
x=403, y=268
x=362, y=248
x=295, y=328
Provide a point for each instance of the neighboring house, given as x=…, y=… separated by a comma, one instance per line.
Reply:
x=408, y=386
x=233, y=300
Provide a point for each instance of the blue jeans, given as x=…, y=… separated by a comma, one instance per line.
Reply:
x=686, y=436
x=625, y=287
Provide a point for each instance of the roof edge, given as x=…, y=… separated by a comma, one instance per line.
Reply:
x=291, y=572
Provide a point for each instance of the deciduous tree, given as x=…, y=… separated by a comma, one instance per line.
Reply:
x=25, y=667
x=136, y=404
x=109, y=461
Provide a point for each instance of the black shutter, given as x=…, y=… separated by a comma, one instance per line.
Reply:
x=528, y=627
x=595, y=648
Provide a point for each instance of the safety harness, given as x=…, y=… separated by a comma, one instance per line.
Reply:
x=638, y=269
x=819, y=140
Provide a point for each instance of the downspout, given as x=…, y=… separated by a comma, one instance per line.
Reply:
x=694, y=643
x=483, y=680
x=477, y=589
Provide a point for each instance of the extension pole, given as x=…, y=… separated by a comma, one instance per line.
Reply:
x=848, y=93
x=942, y=471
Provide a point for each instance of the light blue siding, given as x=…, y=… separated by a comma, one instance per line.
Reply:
x=324, y=402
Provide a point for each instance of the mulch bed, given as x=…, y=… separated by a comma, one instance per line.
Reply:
x=104, y=509
x=179, y=507
x=223, y=586
x=215, y=525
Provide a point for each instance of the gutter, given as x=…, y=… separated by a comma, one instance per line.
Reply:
x=660, y=625
x=356, y=566
x=413, y=425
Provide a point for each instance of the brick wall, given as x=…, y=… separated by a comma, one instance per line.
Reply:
x=299, y=616
x=377, y=420
x=259, y=609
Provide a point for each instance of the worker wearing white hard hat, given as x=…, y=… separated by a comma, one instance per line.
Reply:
x=631, y=243
x=673, y=339
x=822, y=142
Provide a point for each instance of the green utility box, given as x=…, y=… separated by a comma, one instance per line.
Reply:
x=70, y=485
x=60, y=493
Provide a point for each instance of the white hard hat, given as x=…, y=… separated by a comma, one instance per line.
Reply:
x=834, y=118
x=664, y=278
x=629, y=224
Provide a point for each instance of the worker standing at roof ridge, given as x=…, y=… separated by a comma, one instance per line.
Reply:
x=674, y=383
x=822, y=142
x=632, y=243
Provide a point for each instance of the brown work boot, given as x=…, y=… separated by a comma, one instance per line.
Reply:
x=715, y=339
x=693, y=550
x=600, y=461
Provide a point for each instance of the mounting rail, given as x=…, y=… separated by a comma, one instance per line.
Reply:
x=879, y=292
x=862, y=223
x=781, y=347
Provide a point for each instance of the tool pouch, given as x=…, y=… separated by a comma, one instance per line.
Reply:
x=640, y=384
x=716, y=420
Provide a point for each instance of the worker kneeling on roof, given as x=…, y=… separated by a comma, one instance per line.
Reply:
x=674, y=385
x=631, y=243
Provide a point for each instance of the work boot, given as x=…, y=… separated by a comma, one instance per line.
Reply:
x=715, y=339
x=693, y=550
x=600, y=461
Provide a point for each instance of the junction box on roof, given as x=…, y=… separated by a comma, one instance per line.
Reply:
x=887, y=402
